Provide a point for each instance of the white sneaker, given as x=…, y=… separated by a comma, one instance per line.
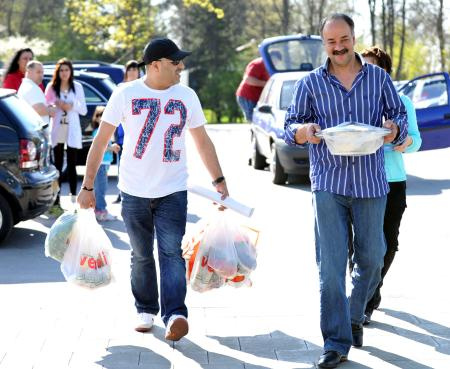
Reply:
x=108, y=216
x=177, y=328
x=144, y=322
x=73, y=199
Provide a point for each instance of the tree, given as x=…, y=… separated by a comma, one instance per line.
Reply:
x=205, y=4
x=402, y=42
x=113, y=26
x=372, y=9
x=440, y=33
x=215, y=66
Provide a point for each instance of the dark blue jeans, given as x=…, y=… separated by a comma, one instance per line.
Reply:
x=332, y=213
x=165, y=216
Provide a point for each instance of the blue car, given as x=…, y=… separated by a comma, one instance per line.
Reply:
x=115, y=71
x=287, y=59
x=430, y=96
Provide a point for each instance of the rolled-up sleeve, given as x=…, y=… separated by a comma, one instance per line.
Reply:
x=395, y=110
x=298, y=112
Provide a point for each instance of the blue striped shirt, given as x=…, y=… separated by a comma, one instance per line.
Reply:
x=320, y=98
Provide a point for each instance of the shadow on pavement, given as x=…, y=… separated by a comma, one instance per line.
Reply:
x=274, y=350
x=439, y=334
x=394, y=359
x=22, y=259
x=423, y=186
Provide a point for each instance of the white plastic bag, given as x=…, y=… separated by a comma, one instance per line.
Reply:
x=87, y=261
x=58, y=238
x=219, y=239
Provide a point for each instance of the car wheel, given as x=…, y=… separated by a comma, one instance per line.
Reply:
x=258, y=160
x=6, y=218
x=278, y=174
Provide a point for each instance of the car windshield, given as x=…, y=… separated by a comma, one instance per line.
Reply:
x=295, y=55
x=24, y=113
x=110, y=83
x=287, y=91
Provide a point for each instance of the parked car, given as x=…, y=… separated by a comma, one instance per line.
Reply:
x=299, y=55
x=430, y=96
x=28, y=182
x=98, y=88
x=115, y=71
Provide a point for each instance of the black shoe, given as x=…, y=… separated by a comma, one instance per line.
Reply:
x=331, y=359
x=118, y=200
x=367, y=317
x=357, y=333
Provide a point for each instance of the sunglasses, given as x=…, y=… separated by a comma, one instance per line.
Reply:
x=173, y=62
x=98, y=115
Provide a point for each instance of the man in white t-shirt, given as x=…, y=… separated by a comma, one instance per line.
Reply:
x=155, y=112
x=30, y=91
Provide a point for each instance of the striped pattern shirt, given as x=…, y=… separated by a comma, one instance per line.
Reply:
x=320, y=98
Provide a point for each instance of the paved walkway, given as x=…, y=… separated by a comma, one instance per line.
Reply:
x=47, y=324
x=271, y=325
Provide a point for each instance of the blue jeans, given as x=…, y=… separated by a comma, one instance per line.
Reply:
x=100, y=187
x=165, y=216
x=247, y=107
x=332, y=213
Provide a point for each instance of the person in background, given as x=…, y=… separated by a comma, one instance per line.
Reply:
x=29, y=91
x=251, y=86
x=101, y=181
x=342, y=186
x=131, y=74
x=17, y=68
x=253, y=82
x=396, y=177
x=65, y=130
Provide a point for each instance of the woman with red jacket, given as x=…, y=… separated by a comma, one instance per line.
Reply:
x=16, y=69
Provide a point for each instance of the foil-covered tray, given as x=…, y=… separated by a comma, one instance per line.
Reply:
x=353, y=139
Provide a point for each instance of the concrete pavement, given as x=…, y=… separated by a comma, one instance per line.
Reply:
x=46, y=323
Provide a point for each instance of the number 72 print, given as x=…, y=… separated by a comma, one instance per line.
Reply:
x=154, y=111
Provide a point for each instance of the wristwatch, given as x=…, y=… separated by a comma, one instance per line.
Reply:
x=218, y=180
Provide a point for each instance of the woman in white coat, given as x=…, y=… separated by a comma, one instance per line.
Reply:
x=68, y=97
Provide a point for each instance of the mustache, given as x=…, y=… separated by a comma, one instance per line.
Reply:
x=340, y=52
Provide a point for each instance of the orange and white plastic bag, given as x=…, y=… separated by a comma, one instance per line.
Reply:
x=220, y=252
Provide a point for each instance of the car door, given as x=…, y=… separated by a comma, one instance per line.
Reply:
x=93, y=98
x=430, y=96
x=263, y=118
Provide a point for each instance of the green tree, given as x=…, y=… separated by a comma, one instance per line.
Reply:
x=113, y=26
x=214, y=66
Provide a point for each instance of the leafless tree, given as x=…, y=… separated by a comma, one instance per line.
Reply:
x=373, y=27
x=402, y=42
x=440, y=33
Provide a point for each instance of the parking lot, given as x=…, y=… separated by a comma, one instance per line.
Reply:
x=46, y=323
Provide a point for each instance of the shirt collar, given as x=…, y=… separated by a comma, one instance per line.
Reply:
x=28, y=80
x=324, y=67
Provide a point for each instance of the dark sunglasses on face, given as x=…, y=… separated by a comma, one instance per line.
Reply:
x=98, y=115
x=173, y=62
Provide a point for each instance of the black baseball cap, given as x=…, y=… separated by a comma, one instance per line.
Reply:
x=162, y=48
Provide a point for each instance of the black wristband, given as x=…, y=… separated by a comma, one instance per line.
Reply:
x=87, y=189
x=218, y=180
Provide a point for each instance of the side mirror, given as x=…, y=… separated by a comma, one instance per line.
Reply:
x=265, y=109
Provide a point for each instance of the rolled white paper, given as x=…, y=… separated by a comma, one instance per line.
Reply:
x=228, y=202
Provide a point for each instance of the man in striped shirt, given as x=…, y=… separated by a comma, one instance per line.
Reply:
x=345, y=89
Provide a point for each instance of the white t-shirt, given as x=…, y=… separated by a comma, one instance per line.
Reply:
x=153, y=162
x=32, y=94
